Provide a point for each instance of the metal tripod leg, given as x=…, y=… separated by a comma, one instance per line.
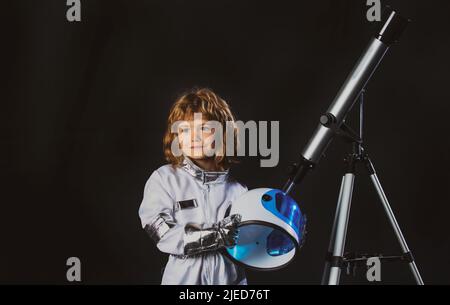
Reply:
x=339, y=231
x=393, y=221
x=326, y=270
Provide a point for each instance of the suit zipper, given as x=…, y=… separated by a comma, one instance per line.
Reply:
x=207, y=202
x=206, y=215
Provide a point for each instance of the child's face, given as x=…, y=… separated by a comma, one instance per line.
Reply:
x=196, y=140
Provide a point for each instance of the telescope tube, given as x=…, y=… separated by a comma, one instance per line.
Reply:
x=388, y=34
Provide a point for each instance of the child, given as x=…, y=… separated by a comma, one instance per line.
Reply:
x=185, y=202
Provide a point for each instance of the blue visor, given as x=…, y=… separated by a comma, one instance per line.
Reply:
x=285, y=208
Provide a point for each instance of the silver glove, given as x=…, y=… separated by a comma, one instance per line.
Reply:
x=222, y=234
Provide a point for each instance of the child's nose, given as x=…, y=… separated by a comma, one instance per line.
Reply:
x=196, y=136
x=194, y=139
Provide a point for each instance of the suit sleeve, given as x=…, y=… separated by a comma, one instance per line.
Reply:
x=156, y=214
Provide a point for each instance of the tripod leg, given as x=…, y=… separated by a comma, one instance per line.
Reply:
x=393, y=221
x=326, y=270
x=340, y=229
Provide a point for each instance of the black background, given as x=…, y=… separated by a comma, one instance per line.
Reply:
x=84, y=107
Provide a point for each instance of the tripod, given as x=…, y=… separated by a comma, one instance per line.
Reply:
x=335, y=258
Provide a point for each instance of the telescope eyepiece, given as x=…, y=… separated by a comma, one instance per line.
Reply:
x=392, y=28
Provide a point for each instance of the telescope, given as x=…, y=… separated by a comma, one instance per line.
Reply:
x=273, y=226
x=332, y=122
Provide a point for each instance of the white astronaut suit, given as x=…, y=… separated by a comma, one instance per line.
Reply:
x=183, y=210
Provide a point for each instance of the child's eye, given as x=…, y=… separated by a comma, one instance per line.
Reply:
x=184, y=129
x=206, y=129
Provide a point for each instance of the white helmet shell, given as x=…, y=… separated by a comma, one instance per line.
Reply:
x=271, y=231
